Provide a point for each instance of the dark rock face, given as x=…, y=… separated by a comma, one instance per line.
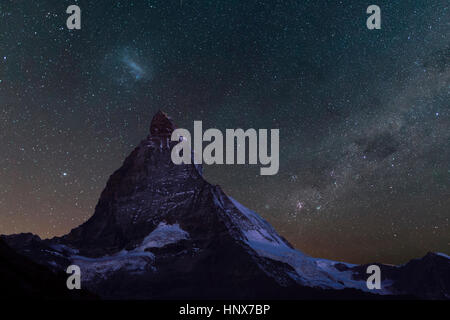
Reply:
x=161, y=125
x=429, y=275
x=146, y=189
x=20, y=277
x=160, y=231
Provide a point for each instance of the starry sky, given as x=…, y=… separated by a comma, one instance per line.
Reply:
x=364, y=115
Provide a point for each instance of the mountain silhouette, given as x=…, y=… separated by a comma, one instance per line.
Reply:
x=161, y=231
x=22, y=278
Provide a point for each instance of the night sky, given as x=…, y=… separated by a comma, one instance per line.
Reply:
x=364, y=115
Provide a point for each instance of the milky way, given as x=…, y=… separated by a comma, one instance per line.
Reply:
x=363, y=115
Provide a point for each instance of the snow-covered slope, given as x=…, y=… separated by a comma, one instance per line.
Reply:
x=313, y=272
x=135, y=261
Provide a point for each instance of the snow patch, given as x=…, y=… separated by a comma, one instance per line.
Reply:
x=312, y=272
x=443, y=255
x=63, y=249
x=163, y=235
x=133, y=261
x=258, y=230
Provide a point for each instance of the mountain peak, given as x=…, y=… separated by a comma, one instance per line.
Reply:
x=161, y=125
